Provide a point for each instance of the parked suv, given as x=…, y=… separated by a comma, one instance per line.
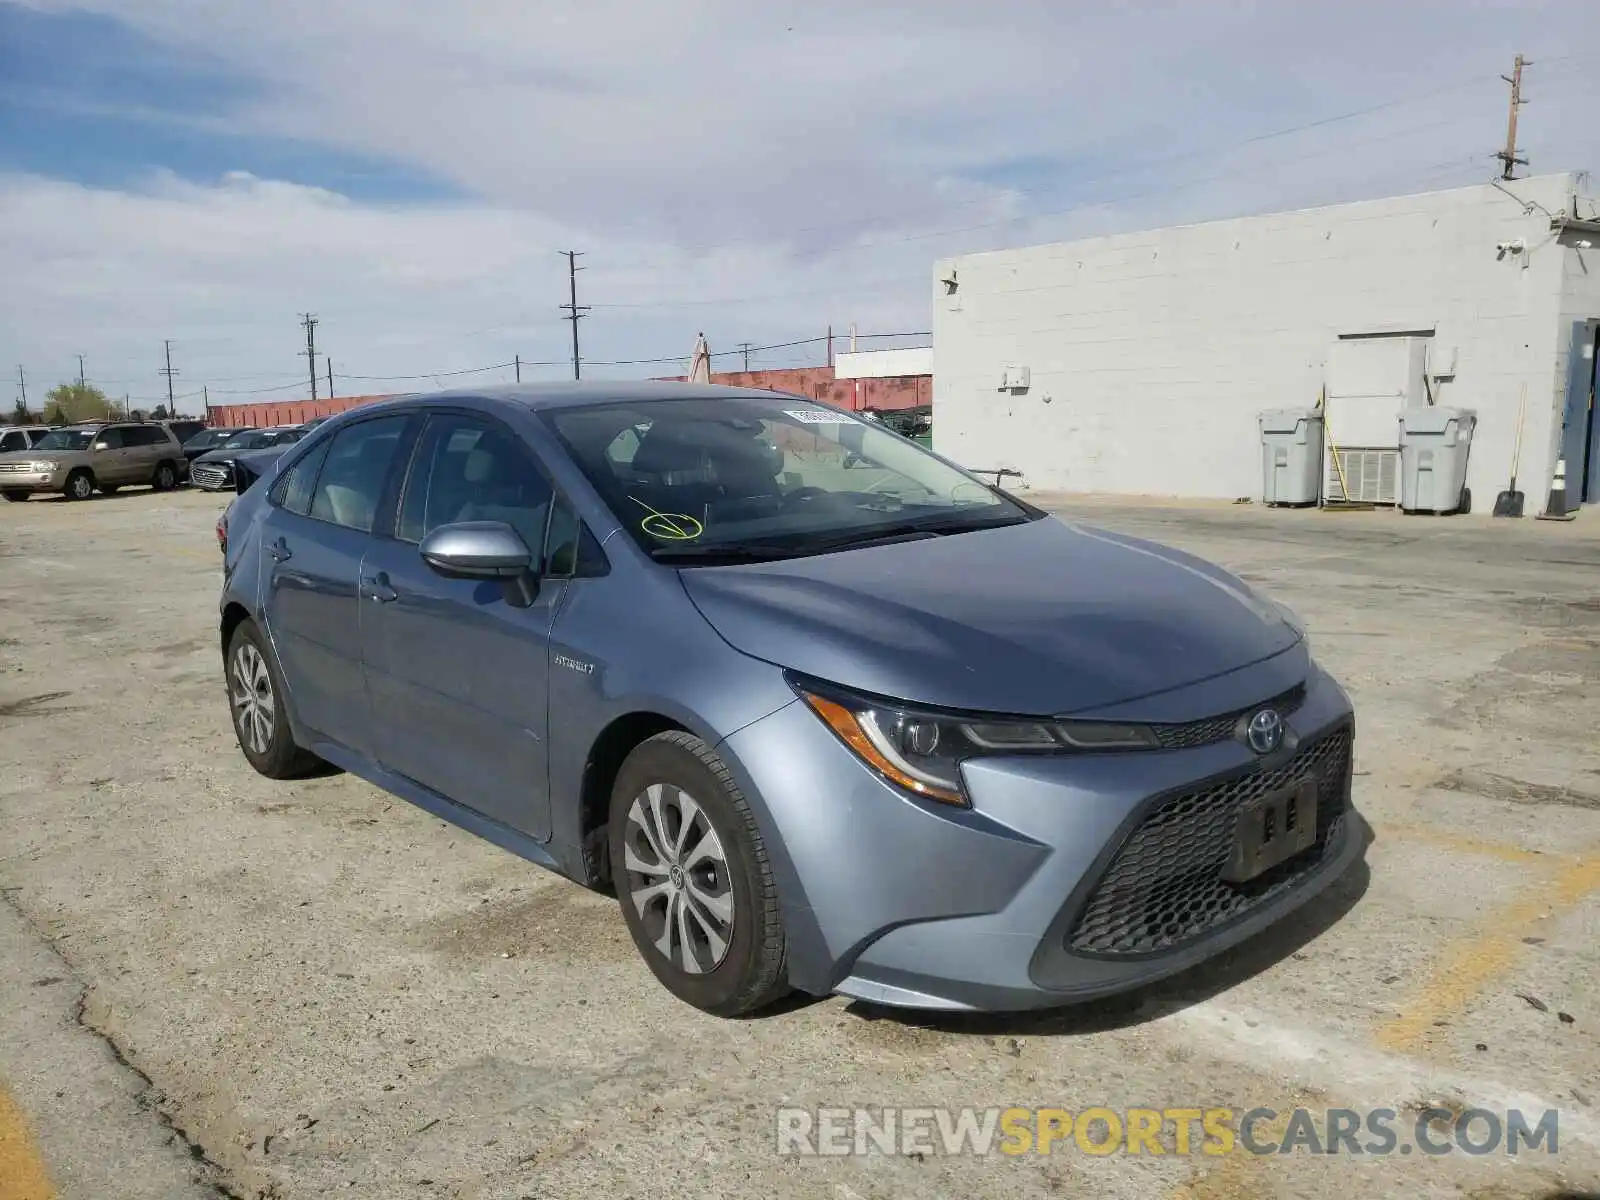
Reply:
x=77, y=460
x=20, y=437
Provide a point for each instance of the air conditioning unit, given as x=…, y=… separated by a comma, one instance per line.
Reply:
x=1014, y=379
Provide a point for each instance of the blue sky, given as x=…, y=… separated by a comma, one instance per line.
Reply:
x=206, y=170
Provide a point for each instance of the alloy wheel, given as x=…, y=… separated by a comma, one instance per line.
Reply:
x=81, y=487
x=678, y=878
x=254, y=711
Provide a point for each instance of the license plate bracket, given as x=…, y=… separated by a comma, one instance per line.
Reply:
x=1272, y=829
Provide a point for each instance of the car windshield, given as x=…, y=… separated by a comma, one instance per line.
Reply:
x=250, y=440
x=748, y=478
x=65, y=439
x=206, y=438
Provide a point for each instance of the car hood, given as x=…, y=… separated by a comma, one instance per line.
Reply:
x=220, y=455
x=40, y=455
x=1035, y=619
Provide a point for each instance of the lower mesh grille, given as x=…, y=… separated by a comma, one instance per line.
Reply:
x=210, y=476
x=1164, y=886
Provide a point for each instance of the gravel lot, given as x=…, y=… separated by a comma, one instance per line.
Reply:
x=218, y=985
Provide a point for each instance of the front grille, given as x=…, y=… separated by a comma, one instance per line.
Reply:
x=1164, y=886
x=13, y=468
x=211, y=475
x=1220, y=728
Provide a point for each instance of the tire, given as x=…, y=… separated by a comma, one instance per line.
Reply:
x=109, y=489
x=80, y=485
x=17, y=497
x=667, y=778
x=1465, y=506
x=165, y=478
x=256, y=706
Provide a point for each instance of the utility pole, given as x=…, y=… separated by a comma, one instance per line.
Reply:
x=81, y=379
x=1508, y=156
x=519, y=368
x=309, y=320
x=745, y=346
x=205, y=393
x=330, y=378
x=574, y=313
x=169, y=373
x=22, y=381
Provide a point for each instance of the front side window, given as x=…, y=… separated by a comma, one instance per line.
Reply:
x=111, y=439
x=13, y=441
x=703, y=480
x=468, y=469
x=353, y=474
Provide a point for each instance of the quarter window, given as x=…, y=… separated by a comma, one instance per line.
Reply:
x=357, y=466
x=293, y=491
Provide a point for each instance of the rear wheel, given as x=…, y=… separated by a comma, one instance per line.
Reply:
x=80, y=485
x=255, y=698
x=15, y=496
x=166, y=477
x=693, y=877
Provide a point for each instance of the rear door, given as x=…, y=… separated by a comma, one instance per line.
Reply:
x=320, y=519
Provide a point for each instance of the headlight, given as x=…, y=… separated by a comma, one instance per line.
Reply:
x=41, y=466
x=922, y=750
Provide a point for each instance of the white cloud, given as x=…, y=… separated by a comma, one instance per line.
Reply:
x=753, y=170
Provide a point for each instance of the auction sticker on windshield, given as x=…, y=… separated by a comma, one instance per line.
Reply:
x=816, y=416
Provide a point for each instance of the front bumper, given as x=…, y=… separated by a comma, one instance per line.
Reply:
x=32, y=481
x=1052, y=888
x=211, y=476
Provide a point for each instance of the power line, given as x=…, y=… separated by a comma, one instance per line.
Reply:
x=574, y=313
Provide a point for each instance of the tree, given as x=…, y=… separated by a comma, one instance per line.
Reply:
x=68, y=402
x=161, y=413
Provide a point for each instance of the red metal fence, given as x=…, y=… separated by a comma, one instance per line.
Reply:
x=907, y=391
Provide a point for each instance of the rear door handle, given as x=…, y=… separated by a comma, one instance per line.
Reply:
x=280, y=551
x=376, y=587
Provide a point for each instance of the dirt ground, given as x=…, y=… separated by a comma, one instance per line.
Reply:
x=218, y=985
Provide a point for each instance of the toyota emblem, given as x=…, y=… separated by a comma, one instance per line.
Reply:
x=1265, y=731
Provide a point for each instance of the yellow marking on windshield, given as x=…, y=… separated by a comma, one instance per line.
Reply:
x=669, y=527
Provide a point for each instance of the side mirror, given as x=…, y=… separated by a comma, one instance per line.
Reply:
x=100, y=446
x=483, y=550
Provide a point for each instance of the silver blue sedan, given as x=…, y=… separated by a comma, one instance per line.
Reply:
x=824, y=711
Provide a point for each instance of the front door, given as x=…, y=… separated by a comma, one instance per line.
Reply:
x=314, y=538
x=110, y=461
x=457, y=673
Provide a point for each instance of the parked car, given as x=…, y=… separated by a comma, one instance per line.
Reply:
x=20, y=437
x=889, y=732
x=211, y=439
x=212, y=471
x=77, y=460
x=184, y=428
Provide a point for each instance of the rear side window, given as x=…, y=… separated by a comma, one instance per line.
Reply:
x=144, y=435
x=355, y=471
x=293, y=491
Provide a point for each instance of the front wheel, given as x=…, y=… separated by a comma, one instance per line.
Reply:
x=80, y=485
x=256, y=699
x=694, y=880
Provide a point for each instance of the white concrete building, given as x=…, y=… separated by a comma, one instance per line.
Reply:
x=1138, y=363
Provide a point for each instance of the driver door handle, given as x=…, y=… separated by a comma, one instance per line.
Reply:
x=376, y=587
x=280, y=551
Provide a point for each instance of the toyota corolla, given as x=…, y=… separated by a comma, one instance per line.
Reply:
x=825, y=711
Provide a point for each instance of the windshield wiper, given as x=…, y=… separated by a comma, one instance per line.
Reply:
x=927, y=527
x=733, y=551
